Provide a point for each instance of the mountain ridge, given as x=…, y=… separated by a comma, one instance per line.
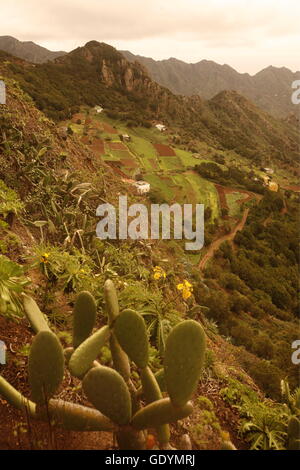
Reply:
x=28, y=50
x=99, y=74
x=269, y=88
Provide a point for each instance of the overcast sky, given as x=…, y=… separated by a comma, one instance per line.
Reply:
x=246, y=34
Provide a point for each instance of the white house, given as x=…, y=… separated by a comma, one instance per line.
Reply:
x=269, y=171
x=98, y=109
x=160, y=127
x=142, y=187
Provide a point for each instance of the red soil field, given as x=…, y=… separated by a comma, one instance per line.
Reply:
x=109, y=129
x=78, y=116
x=222, y=196
x=85, y=139
x=222, y=191
x=98, y=146
x=164, y=150
x=129, y=163
x=117, y=146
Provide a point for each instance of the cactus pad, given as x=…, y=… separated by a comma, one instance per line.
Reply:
x=111, y=301
x=107, y=391
x=184, y=359
x=36, y=318
x=83, y=357
x=160, y=412
x=84, y=317
x=45, y=366
x=120, y=358
x=131, y=332
x=15, y=398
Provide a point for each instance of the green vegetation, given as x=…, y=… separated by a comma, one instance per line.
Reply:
x=245, y=299
x=12, y=284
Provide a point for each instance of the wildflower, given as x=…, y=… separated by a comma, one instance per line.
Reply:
x=186, y=288
x=45, y=257
x=159, y=273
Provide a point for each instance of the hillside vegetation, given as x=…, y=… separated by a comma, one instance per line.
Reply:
x=52, y=178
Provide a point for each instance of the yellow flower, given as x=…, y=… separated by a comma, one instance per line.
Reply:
x=159, y=273
x=45, y=257
x=186, y=288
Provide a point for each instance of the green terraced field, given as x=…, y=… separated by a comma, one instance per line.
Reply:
x=234, y=206
x=141, y=147
x=170, y=163
x=166, y=175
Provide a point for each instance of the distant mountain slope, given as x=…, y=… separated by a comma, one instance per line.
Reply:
x=27, y=50
x=98, y=74
x=270, y=89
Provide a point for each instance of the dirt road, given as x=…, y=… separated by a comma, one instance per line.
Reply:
x=228, y=237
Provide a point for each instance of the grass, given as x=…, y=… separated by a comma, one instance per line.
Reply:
x=142, y=147
x=187, y=158
x=234, y=206
x=204, y=193
x=170, y=163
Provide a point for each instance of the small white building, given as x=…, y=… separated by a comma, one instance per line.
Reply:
x=142, y=187
x=98, y=109
x=161, y=127
x=269, y=171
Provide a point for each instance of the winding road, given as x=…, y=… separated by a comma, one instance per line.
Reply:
x=228, y=237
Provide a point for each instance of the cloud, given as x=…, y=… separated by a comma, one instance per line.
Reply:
x=217, y=24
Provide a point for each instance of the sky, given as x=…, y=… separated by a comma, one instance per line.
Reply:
x=249, y=35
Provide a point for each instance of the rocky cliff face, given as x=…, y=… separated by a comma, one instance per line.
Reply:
x=116, y=72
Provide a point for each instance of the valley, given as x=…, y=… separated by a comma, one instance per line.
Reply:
x=82, y=131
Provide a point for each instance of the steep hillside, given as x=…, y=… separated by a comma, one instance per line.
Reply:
x=98, y=74
x=50, y=186
x=270, y=89
x=27, y=50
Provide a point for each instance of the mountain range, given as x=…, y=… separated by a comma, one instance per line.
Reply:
x=27, y=50
x=99, y=74
x=270, y=89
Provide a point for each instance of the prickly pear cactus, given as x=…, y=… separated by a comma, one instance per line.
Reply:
x=118, y=404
